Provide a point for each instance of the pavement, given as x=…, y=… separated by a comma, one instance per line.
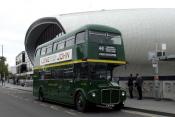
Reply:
x=152, y=106
x=24, y=88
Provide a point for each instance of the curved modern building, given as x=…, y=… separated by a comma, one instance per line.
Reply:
x=141, y=30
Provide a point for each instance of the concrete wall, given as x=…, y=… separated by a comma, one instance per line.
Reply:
x=169, y=89
x=166, y=88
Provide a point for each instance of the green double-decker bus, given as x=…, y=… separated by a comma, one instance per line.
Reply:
x=77, y=68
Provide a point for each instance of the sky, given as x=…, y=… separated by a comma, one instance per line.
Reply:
x=17, y=15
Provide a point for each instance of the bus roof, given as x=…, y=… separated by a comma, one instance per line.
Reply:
x=99, y=28
x=94, y=27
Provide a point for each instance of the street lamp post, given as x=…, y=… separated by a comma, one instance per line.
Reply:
x=2, y=50
x=155, y=64
x=156, y=56
x=3, y=60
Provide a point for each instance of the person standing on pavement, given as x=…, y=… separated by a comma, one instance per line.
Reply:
x=130, y=86
x=139, y=83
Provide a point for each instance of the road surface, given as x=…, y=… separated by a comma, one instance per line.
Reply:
x=17, y=103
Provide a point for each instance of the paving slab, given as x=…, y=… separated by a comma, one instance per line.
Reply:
x=162, y=107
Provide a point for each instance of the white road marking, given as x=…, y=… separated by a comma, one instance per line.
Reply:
x=143, y=114
x=54, y=107
x=70, y=113
x=20, y=98
x=42, y=104
x=35, y=102
x=72, y=110
x=26, y=99
x=12, y=95
x=15, y=96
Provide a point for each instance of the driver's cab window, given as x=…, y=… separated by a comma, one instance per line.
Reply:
x=109, y=75
x=100, y=72
x=82, y=71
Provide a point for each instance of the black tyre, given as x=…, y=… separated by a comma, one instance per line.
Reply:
x=80, y=102
x=41, y=95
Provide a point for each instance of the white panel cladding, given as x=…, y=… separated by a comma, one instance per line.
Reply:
x=141, y=30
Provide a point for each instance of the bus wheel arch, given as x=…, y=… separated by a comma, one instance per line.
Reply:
x=80, y=101
x=76, y=93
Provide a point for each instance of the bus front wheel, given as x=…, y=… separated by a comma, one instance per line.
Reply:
x=80, y=102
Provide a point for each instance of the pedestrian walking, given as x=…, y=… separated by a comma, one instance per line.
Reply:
x=2, y=81
x=130, y=85
x=139, y=83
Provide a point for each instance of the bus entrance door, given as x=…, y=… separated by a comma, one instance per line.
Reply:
x=67, y=91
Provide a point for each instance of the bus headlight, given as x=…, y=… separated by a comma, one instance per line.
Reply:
x=123, y=93
x=93, y=94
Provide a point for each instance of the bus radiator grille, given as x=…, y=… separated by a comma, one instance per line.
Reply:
x=110, y=96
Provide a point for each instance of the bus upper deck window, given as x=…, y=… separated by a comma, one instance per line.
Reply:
x=55, y=46
x=37, y=53
x=80, y=38
x=70, y=41
x=115, y=38
x=97, y=36
x=49, y=49
x=61, y=45
x=43, y=51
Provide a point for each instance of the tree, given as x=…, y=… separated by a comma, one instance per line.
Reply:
x=3, y=66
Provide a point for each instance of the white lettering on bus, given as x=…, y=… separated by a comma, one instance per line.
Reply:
x=57, y=57
x=64, y=56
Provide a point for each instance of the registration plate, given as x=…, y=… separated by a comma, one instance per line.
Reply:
x=109, y=105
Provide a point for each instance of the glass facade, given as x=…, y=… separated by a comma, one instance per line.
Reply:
x=23, y=64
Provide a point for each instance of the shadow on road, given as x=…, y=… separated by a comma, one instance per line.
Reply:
x=98, y=109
